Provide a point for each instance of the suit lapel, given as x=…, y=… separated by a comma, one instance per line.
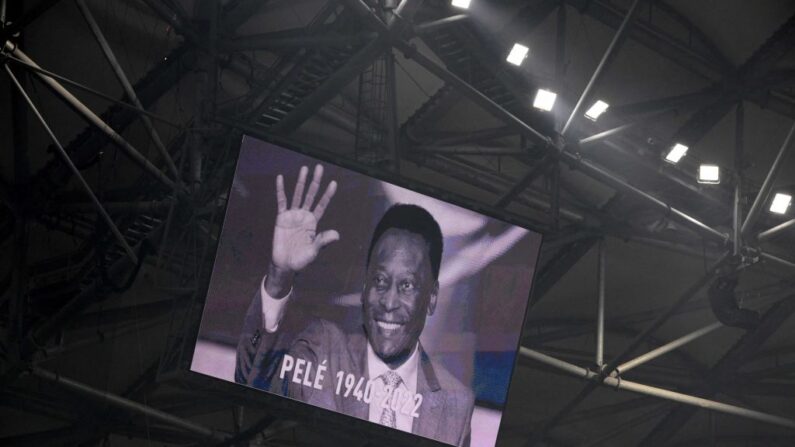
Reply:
x=357, y=365
x=432, y=408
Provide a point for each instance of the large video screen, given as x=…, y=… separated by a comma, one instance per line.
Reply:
x=365, y=298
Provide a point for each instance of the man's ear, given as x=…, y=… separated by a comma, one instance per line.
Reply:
x=434, y=294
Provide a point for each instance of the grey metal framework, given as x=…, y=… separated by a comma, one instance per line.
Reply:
x=169, y=219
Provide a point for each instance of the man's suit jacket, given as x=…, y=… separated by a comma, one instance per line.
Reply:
x=446, y=410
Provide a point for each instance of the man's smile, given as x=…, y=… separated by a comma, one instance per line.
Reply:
x=389, y=326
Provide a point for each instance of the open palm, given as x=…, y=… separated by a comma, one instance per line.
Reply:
x=296, y=242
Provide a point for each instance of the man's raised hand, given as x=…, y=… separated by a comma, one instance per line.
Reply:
x=296, y=242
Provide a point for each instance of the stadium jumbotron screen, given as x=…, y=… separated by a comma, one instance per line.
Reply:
x=365, y=298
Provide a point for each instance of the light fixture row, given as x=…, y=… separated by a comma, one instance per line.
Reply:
x=463, y=4
x=710, y=174
x=545, y=100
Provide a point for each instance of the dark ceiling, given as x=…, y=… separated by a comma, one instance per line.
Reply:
x=95, y=330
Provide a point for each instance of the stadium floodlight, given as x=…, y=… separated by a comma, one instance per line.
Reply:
x=544, y=100
x=597, y=109
x=676, y=153
x=464, y=4
x=780, y=203
x=518, y=54
x=709, y=174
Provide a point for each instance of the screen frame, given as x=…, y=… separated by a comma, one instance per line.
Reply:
x=247, y=393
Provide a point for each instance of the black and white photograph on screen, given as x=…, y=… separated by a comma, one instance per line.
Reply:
x=365, y=298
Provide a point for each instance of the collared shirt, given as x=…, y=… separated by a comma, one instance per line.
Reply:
x=408, y=373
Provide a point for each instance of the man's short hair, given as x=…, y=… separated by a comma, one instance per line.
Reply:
x=414, y=219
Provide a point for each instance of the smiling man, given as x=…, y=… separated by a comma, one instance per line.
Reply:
x=379, y=373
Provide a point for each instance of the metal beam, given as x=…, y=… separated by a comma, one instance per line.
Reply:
x=666, y=348
x=688, y=294
x=391, y=117
x=528, y=18
x=777, y=260
x=553, y=270
x=495, y=182
x=587, y=167
x=607, y=134
x=600, y=304
x=128, y=405
x=622, y=128
x=90, y=90
x=618, y=39
x=485, y=151
x=443, y=166
x=140, y=207
x=668, y=103
x=9, y=29
x=761, y=196
x=293, y=40
x=741, y=82
x=693, y=402
x=149, y=88
x=345, y=74
x=542, y=166
x=739, y=136
x=94, y=119
x=734, y=358
x=330, y=87
x=128, y=88
x=175, y=20
x=76, y=172
x=708, y=62
x=454, y=138
x=39, y=334
x=775, y=231
x=435, y=25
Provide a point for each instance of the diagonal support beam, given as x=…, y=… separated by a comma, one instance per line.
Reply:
x=772, y=232
x=745, y=347
x=692, y=402
x=686, y=296
x=128, y=88
x=94, y=119
x=596, y=138
x=91, y=91
x=764, y=191
x=128, y=405
x=553, y=270
x=742, y=83
x=537, y=170
x=618, y=39
x=76, y=172
x=666, y=348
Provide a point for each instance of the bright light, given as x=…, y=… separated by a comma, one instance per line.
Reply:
x=781, y=203
x=461, y=3
x=598, y=108
x=709, y=174
x=676, y=153
x=544, y=100
x=518, y=54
